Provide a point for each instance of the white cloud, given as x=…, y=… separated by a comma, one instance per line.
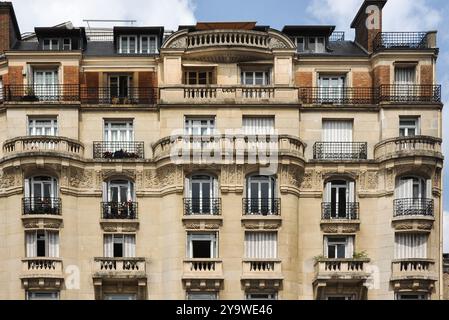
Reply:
x=169, y=13
x=446, y=232
x=398, y=15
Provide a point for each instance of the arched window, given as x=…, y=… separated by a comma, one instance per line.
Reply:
x=339, y=200
x=202, y=195
x=261, y=195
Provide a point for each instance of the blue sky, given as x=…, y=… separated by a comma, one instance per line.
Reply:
x=399, y=15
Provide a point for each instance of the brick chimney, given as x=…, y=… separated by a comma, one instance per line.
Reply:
x=9, y=29
x=368, y=23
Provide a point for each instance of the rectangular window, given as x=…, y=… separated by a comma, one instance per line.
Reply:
x=339, y=297
x=261, y=296
x=261, y=245
x=202, y=245
x=42, y=295
x=300, y=44
x=118, y=297
x=339, y=247
x=42, y=127
x=1, y=90
x=202, y=296
x=256, y=125
x=410, y=246
x=331, y=88
x=408, y=126
x=119, y=246
x=199, y=126
x=314, y=45
x=118, y=131
x=67, y=44
x=128, y=44
x=50, y=44
x=337, y=130
x=199, y=77
x=255, y=78
x=119, y=86
x=42, y=243
x=405, y=75
x=412, y=296
x=148, y=44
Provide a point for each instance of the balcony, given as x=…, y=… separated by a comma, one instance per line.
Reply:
x=119, y=210
x=203, y=274
x=214, y=94
x=205, y=206
x=337, y=218
x=118, y=150
x=37, y=145
x=341, y=269
x=106, y=95
x=120, y=268
x=43, y=273
x=404, y=40
x=227, y=38
x=413, y=215
x=410, y=93
x=338, y=96
x=36, y=93
x=262, y=274
x=262, y=207
x=41, y=206
x=403, y=147
x=414, y=274
x=348, y=151
x=226, y=149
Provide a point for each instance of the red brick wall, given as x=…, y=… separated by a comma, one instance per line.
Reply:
x=147, y=79
x=4, y=30
x=14, y=76
x=362, y=79
x=304, y=79
x=381, y=75
x=427, y=74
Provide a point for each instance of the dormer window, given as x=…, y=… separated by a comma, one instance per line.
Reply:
x=148, y=44
x=67, y=44
x=128, y=45
x=50, y=44
x=310, y=44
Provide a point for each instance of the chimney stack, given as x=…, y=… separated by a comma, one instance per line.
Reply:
x=9, y=29
x=368, y=23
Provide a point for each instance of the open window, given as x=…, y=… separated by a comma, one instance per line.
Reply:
x=119, y=200
x=202, y=245
x=42, y=243
x=261, y=195
x=339, y=200
x=119, y=245
x=41, y=195
x=202, y=195
x=339, y=247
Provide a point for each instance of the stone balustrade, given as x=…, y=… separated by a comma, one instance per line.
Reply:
x=53, y=144
x=262, y=269
x=203, y=269
x=42, y=267
x=341, y=269
x=120, y=267
x=413, y=269
x=214, y=38
x=408, y=146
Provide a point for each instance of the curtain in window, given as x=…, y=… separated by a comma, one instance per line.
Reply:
x=108, y=246
x=350, y=248
x=129, y=246
x=53, y=244
x=258, y=126
x=1, y=90
x=337, y=131
x=410, y=246
x=404, y=189
x=261, y=245
x=404, y=75
x=31, y=247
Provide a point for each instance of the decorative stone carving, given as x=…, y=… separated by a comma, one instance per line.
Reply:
x=180, y=43
x=84, y=179
x=276, y=44
x=232, y=175
x=290, y=176
x=368, y=180
x=9, y=180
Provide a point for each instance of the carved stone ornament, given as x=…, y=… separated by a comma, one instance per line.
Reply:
x=9, y=180
x=84, y=179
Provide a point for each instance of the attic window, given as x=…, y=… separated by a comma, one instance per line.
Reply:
x=67, y=44
x=310, y=44
x=50, y=44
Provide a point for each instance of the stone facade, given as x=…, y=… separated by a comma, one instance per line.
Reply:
x=163, y=91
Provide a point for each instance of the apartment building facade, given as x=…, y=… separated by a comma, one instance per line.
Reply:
x=220, y=161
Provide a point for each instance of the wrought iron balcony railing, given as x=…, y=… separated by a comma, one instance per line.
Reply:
x=336, y=211
x=118, y=150
x=44, y=206
x=119, y=210
x=413, y=207
x=202, y=206
x=400, y=40
x=334, y=95
x=340, y=151
x=337, y=36
x=107, y=95
x=262, y=206
x=409, y=93
x=42, y=93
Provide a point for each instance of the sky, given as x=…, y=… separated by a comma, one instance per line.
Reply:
x=398, y=15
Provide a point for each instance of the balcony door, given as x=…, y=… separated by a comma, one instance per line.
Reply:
x=331, y=89
x=45, y=83
x=119, y=136
x=202, y=194
x=337, y=138
x=339, y=197
x=202, y=245
x=405, y=80
x=339, y=247
x=412, y=193
x=119, y=246
x=42, y=243
x=120, y=191
x=41, y=188
x=120, y=88
x=198, y=130
x=260, y=195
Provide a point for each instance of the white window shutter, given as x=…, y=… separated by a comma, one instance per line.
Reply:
x=351, y=192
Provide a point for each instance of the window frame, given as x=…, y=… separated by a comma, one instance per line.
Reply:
x=214, y=243
x=189, y=127
x=55, y=293
x=108, y=129
x=338, y=243
x=53, y=126
x=271, y=296
x=148, y=37
x=128, y=37
x=266, y=77
x=51, y=45
x=213, y=294
x=69, y=44
x=406, y=128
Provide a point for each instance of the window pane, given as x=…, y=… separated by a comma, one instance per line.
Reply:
x=201, y=249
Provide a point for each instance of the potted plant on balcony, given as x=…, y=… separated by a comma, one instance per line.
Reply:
x=30, y=95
